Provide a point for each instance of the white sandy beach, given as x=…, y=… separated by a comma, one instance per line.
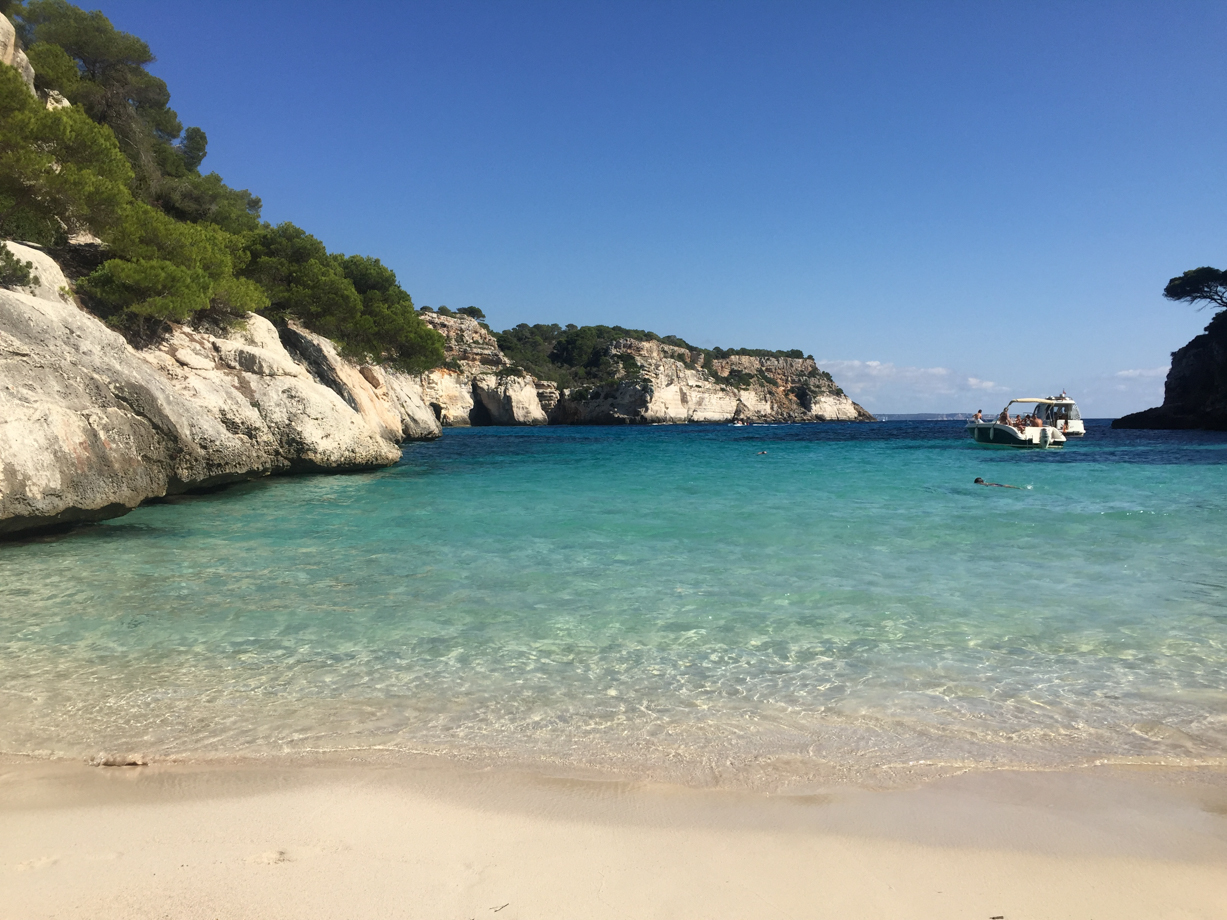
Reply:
x=329, y=841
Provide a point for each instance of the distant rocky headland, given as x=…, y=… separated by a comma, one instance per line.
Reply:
x=601, y=375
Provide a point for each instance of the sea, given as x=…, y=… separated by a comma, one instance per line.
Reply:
x=773, y=606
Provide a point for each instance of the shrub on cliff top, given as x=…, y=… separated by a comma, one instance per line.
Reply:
x=355, y=301
x=170, y=270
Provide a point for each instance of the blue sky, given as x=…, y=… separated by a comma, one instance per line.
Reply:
x=947, y=204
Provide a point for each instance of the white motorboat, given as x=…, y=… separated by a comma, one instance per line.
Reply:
x=1042, y=428
x=1062, y=413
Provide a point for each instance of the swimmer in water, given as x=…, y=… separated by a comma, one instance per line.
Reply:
x=761, y=452
x=999, y=485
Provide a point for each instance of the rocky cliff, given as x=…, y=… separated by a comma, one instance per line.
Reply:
x=477, y=385
x=656, y=383
x=90, y=426
x=1195, y=394
x=12, y=54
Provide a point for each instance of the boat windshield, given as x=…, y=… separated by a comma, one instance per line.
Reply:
x=1060, y=412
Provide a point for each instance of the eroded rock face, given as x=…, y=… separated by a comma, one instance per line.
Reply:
x=11, y=53
x=672, y=386
x=666, y=384
x=90, y=427
x=509, y=400
x=474, y=388
x=467, y=342
x=1195, y=393
x=449, y=394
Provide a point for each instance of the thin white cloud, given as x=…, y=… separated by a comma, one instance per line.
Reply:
x=883, y=388
x=893, y=388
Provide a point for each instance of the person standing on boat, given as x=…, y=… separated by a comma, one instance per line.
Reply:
x=979, y=416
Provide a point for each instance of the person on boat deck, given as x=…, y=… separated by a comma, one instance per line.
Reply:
x=1035, y=422
x=1004, y=417
x=979, y=416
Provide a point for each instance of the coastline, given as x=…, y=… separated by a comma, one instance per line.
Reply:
x=332, y=839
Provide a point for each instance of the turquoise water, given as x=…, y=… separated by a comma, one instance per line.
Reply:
x=661, y=601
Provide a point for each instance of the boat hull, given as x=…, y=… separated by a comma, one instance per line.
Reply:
x=996, y=434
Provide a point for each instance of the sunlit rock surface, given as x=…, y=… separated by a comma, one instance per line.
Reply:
x=90, y=426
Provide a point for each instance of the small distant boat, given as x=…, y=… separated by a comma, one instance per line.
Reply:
x=1053, y=420
x=737, y=423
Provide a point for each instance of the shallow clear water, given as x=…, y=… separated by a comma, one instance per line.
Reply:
x=665, y=601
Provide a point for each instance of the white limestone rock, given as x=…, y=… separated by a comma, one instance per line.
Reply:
x=509, y=400
x=449, y=394
x=390, y=402
x=90, y=427
x=11, y=53
x=466, y=341
x=418, y=420
x=50, y=283
x=671, y=386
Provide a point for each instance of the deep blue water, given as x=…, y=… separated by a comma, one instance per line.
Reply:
x=666, y=601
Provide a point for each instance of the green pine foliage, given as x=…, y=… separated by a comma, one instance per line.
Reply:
x=207, y=199
x=13, y=271
x=171, y=270
x=354, y=300
x=181, y=245
x=60, y=172
x=573, y=356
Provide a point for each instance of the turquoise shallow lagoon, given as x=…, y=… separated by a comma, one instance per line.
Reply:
x=663, y=602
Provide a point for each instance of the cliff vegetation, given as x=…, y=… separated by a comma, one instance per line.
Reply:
x=99, y=153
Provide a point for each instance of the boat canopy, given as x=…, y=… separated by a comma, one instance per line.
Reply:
x=1052, y=406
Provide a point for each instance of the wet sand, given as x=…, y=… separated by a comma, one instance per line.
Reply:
x=431, y=840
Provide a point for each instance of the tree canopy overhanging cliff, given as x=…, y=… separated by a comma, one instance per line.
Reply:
x=117, y=163
x=1197, y=285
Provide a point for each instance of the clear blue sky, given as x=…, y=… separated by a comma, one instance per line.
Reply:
x=985, y=199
